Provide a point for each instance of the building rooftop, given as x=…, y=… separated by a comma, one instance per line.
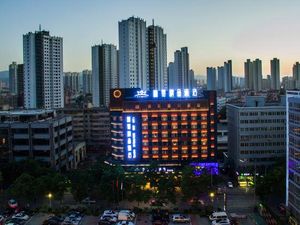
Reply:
x=29, y=112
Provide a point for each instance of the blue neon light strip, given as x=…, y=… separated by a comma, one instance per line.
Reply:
x=131, y=137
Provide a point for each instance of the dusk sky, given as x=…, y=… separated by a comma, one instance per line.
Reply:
x=213, y=30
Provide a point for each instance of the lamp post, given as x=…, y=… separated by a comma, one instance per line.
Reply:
x=49, y=196
x=212, y=196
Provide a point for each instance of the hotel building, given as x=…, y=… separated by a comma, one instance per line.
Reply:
x=172, y=127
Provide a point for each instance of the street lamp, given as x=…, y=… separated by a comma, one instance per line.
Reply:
x=212, y=196
x=49, y=196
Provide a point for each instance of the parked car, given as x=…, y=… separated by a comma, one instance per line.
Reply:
x=21, y=216
x=125, y=223
x=111, y=219
x=1, y=220
x=54, y=220
x=15, y=222
x=131, y=213
x=218, y=215
x=220, y=221
x=125, y=216
x=229, y=184
x=13, y=204
x=179, y=218
x=110, y=212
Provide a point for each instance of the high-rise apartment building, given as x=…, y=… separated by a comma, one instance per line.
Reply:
x=228, y=76
x=157, y=58
x=180, y=73
x=13, y=78
x=104, y=73
x=211, y=74
x=253, y=74
x=293, y=153
x=72, y=81
x=43, y=70
x=221, y=78
x=275, y=74
x=133, y=66
x=87, y=82
x=296, y=74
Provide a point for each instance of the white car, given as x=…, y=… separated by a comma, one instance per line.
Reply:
x=21, y=216
x=125, y=223
x=229, y=184
x=221, y=222
x=108, y=218
x=132, y=214
x=110, y=213
x=179, y=218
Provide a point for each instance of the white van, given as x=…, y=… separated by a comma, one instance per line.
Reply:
x=218, y=215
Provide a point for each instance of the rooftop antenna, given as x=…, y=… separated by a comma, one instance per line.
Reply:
x=40, y=27
x=153, y=22
x=101, y=41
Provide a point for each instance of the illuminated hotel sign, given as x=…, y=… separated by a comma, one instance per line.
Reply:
x=131, y=137
x=141, y=94
x=171, y=93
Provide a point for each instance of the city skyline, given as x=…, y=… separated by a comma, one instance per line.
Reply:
x=214, y=34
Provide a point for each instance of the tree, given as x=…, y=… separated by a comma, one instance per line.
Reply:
x=22, y=188
x=193, y=185
x=135, y=188
x=166, y=191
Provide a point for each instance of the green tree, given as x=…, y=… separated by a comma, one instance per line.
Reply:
x=135, y=188
x=22, y=188
x=193, y=185
x=166, y=190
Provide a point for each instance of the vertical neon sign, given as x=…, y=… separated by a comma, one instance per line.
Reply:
x=131, y=137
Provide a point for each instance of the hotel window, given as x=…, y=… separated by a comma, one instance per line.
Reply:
x=149, y=106
x=145, y=143
x=137, y=107
x=145, y=118
x=145, y=127
x=158, y=106
x=164, y=135
x=174, y=143
x=169, y=106
x=155, y=135
x=174, y=118
x=154, y=127
x=198, y=105
x=174, y=126
x=145, y=135
x=189, y=105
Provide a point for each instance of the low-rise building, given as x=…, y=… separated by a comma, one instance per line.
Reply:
x=37, y=134
x=256, y=134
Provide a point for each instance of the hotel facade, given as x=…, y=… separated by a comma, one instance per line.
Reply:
x=172, y=127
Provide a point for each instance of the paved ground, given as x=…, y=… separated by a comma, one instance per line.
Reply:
x=38, y=219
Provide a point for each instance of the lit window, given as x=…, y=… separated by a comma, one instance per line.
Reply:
x=186, y=93
x=163, y=93
x=128, y=133
x=128, y=119
x=155, y=93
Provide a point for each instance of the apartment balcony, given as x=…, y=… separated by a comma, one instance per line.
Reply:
x=21, y=136
x=21, y=148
